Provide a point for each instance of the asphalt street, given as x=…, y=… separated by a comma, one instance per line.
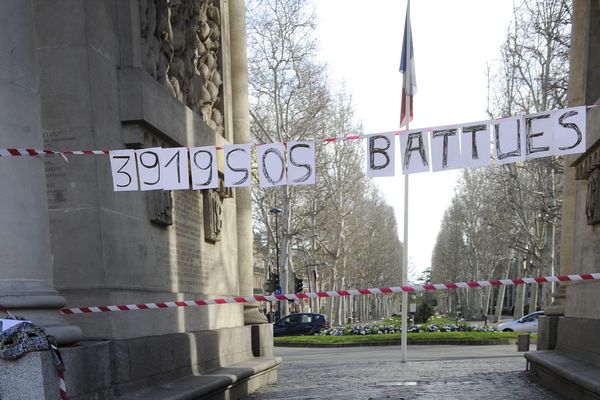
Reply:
x=376, y=373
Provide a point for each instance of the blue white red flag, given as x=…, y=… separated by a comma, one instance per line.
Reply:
x=407, y=67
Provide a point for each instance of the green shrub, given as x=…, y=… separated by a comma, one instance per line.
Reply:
x=424, y=312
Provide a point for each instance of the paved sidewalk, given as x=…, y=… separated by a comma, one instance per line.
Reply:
x=432, y=372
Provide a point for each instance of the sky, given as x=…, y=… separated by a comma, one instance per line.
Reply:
x=453, y=42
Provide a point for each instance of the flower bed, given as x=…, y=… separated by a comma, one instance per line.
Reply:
x=382, y=329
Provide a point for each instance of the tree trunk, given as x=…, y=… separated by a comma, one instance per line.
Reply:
x=499, y=303
x=519, y=301
x=488, y=298
x=330, y=299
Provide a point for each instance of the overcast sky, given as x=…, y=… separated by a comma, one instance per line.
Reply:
x=453, y=42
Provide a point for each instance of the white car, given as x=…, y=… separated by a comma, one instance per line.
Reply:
x=528, y=323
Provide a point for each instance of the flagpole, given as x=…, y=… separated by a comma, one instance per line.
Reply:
x=405, y=271
x=408, y=71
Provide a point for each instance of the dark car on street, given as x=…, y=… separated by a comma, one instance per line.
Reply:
x=300, y=324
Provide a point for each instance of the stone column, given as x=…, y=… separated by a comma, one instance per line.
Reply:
x=241, y=134
x=575, y=97
x=26, y=282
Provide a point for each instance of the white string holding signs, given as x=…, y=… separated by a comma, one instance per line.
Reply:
x=467, y=145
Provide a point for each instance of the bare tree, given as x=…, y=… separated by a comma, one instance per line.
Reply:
x=534, y=67
x=323, y=223
x=287, y=97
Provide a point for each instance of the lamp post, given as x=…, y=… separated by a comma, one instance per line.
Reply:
x=276, y=211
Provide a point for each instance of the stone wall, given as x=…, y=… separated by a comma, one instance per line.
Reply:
x=569, y=360
x=115, y=74
x=134, y=74
x=583, y=245
x=174, y=366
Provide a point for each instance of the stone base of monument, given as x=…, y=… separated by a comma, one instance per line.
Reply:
x=31, y=377
x=572, y=369
x=225, y=363
x=547, y=332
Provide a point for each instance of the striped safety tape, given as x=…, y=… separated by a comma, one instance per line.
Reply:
x=45, y=152
x=335, y=293
x=63, y=387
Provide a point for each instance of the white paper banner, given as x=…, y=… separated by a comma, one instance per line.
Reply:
x=445, y=148
x=270, y=159
x=475, y=144
x=124, y=171
x=9, y=323
x=203, y=164
x=414, y=146
x=148, y=163
x=539, y=135
x=468, y=145
x=174, y=168
x=381, y=154
x=238, y=165
x=301, y=163
x=569, y=130
x=509, y=140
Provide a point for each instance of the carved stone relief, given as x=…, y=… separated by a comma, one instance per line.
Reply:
x=160, y=207
x=213, y=215
x=593, y=197
x=159, y=202
x=213, y=210
x=181, y=41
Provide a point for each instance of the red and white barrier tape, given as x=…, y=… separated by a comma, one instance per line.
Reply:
x=334, y=293
x=37, y=152
x=63, y=387
x=45, y=152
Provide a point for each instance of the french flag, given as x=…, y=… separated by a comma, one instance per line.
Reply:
x=407, y=67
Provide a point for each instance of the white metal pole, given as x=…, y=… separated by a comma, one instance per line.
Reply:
x=407, y=79
x=405, y=270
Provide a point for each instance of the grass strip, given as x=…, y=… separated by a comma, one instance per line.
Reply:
x=442, y=337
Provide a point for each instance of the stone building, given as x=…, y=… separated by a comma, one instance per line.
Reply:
x=126, y=74
x=570, y=358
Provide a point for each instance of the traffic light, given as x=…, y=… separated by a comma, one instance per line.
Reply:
x=299, y=285
x=271, y=283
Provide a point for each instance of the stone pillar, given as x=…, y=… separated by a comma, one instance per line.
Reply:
x=241, y=134
x=26, y=283
x=576, y=95
x=557, y=307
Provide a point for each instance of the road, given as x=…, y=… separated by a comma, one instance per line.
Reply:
x=431, y=372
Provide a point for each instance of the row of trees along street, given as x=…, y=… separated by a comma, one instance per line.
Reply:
x=338, y=233
x=504, y=221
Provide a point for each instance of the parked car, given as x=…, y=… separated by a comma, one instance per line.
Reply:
x=300, y=324
x=528, y=323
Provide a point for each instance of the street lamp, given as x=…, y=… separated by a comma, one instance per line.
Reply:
x=276, y=211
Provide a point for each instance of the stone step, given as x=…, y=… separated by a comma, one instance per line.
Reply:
x=230, y=382
x=569, y=376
